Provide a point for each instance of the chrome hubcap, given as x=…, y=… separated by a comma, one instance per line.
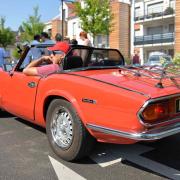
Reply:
x=61, y=128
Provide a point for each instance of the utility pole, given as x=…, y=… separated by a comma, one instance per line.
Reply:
x=62, y=15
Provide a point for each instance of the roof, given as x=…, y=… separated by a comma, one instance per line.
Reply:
x=71, y=8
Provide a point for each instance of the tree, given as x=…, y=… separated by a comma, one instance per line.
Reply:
x=7, y=37
x=95, y=16
x=32, y=26
x=176, y=59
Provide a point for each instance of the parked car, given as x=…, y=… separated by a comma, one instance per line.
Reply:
x=158, y=58
x=94, y=97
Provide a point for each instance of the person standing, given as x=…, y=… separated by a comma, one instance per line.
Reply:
x=58, y=37
x=45, y=38
x=2, y=56
x=84, y=38
x=35, y=52
x=136, y=58
x=60, y=43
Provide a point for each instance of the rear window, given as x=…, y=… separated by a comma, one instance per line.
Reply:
x=167, y=58
x=157, y=58
x=154, y=58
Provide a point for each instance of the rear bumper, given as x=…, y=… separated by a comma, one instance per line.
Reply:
x=154, y=134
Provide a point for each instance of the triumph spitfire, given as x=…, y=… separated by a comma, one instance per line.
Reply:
x=96, y=97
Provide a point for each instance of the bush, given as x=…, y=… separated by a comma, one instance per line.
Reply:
x=128, y=61
x=176, y=59
x=15, y=54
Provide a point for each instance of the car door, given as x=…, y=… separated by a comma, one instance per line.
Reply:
x=19, y=94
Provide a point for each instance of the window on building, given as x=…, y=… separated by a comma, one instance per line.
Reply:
x=74, y=28
x=138, y=12
x=138, y=32
x=155, y=30
x=155, y=8
x=171, y=28
x=102, y=41
x=172, y=4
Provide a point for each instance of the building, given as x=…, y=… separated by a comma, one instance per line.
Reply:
x=155, y=27
x=54, y=26
x=119, y=38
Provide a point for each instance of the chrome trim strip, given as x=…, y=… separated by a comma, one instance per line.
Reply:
x=154, y=134
x=152, y=101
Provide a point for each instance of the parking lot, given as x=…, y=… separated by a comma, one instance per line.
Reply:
x=26, y=154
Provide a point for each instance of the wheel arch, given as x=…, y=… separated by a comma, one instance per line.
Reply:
x=69, y=98
x=47, y=102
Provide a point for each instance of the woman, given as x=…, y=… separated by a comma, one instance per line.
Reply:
x=84, y=38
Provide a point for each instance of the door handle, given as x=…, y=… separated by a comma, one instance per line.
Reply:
x=32, y=84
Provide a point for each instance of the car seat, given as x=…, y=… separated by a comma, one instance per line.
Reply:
x=72, y=62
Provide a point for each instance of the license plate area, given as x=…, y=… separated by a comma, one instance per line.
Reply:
x=178, y=106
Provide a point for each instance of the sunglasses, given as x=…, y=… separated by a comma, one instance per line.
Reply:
x=56, y=52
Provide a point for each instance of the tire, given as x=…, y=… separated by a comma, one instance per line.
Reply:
x=66, y=133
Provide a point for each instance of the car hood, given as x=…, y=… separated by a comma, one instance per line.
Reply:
x=125, y=79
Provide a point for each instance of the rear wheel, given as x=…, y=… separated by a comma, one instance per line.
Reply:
x=66, y=133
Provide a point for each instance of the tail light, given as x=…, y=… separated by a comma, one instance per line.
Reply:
x=156, y=111
x=161, y=111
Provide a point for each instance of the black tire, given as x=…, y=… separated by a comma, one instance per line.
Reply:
x=81, y=142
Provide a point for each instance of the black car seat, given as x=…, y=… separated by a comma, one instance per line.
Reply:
x=72, y=62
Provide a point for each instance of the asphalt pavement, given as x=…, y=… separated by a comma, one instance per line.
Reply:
x=25, y=154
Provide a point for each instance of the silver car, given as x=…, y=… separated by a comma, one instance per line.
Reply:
x=158, y=58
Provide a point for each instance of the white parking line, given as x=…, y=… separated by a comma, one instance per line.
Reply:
x=132, y=153
x=104, y=158
x=63, y=172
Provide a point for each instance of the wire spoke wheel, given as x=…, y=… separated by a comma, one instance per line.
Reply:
x=66, y=133
x=62, y=129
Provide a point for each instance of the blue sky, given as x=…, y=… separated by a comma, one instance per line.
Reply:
x=17, y=11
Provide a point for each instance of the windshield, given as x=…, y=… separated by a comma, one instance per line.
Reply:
x=157, y=58
x=98, y=57
x=168, y=58
x=77, y=57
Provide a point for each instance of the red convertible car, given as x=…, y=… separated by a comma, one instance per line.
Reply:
x=95, y=97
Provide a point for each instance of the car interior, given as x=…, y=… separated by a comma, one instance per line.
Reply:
x=78, y=57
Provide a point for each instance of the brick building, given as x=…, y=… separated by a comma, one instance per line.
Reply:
x=120, y=36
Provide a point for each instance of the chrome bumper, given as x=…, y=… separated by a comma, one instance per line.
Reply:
x=154, y=134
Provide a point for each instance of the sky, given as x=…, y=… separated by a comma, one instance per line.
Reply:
x=17, y=11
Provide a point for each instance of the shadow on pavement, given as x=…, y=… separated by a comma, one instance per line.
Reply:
x=4, y=114
x=30, y=124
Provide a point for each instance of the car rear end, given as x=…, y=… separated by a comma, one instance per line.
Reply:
x=161, y=117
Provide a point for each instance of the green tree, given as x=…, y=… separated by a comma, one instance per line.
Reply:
x=176, y=59
x=95, y=16
x=32, y=26
x=7, y=37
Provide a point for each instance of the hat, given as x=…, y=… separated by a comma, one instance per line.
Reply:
x=60, y=46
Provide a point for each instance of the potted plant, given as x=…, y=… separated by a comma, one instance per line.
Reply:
x=169, y=10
